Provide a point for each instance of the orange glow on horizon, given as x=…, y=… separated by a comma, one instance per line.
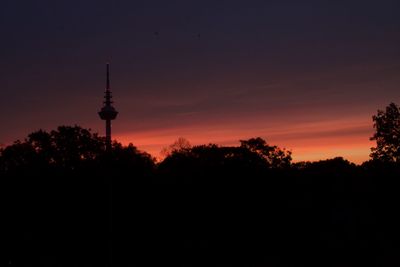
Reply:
x=309, y=141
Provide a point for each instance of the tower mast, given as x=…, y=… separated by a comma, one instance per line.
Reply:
x=108, y=112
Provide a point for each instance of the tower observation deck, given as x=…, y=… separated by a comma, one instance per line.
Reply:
x=108, y=112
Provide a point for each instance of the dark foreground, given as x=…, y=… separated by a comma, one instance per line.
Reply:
x=318, y=216
x=65, y=201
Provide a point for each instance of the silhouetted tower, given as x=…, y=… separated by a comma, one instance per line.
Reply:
x=108, y=112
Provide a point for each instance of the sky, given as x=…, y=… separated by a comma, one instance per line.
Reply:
x=304, y=75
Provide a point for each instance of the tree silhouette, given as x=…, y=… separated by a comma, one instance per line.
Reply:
x=273, y=155
x=128, y=160
x=19, y=156
x=67, y=148
x=222, y=164
x=387, y=134
x=180, y=145
x=71, y=148
x=245, y=205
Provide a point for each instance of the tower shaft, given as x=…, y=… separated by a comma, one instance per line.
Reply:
x=108, y=135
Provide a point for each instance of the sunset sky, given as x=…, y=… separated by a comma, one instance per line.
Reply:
x=304, y=75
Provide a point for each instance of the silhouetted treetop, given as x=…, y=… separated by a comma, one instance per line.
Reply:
x=338, y=164
x=128, y=159
x=387, y=134
x=68, y=148
x=179, y=146
x=274, y=156
x=206, y=161
x=17, y=156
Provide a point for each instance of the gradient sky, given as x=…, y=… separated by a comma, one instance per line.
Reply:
x=304, y=75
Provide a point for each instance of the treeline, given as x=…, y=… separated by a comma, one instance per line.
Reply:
x=202, y=205
x=207, y=205
x=75, y=151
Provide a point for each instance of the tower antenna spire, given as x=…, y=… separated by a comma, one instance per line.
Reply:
x=108, y=77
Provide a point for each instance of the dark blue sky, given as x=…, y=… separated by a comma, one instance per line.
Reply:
x=289, y=71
